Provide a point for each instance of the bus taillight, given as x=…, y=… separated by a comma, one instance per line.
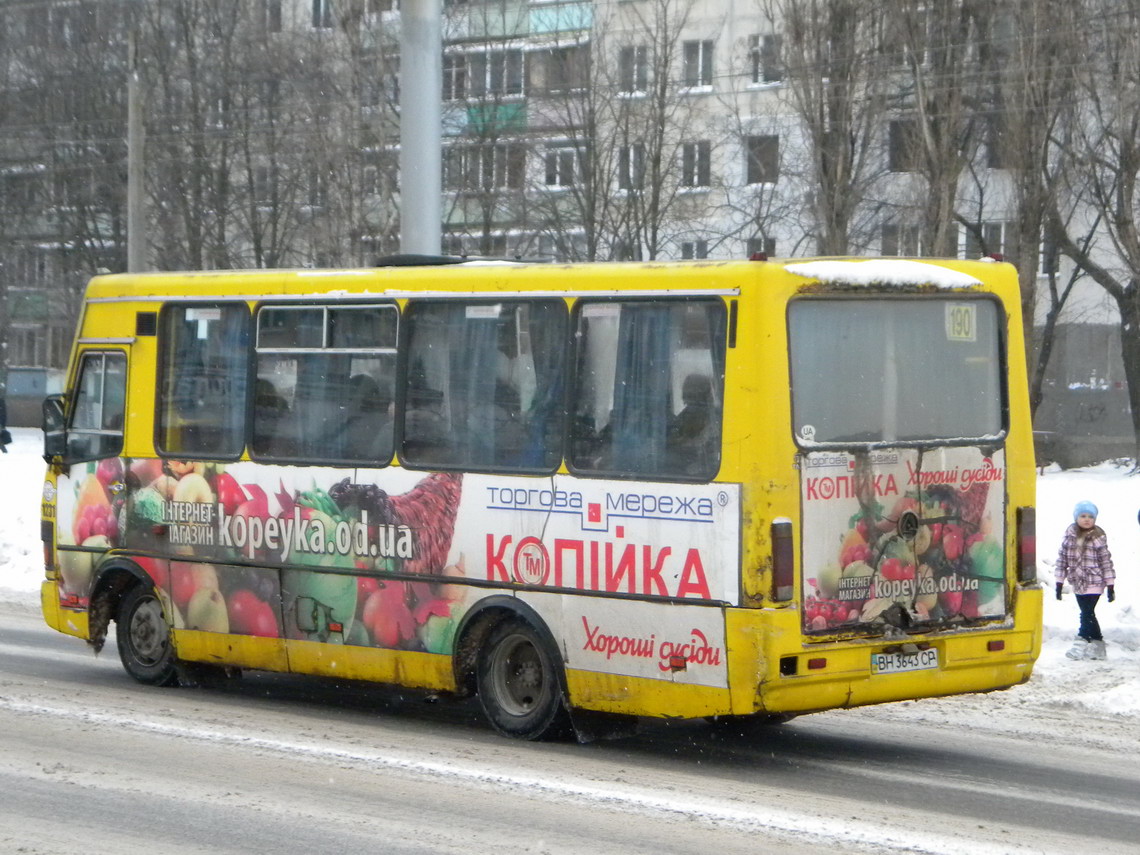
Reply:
x=783, y=561
x=47, y=535
x=1026, y=545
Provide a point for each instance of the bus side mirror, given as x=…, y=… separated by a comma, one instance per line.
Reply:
x=55, y=428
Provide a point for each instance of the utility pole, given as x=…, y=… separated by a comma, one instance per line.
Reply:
x=136, y=228
x=421, y=86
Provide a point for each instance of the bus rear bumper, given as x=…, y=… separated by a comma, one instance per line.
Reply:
x=829, y=676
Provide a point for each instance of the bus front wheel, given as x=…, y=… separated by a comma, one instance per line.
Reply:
x=518, y=683
x=143, y=638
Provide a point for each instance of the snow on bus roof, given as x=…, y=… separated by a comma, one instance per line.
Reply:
x=882, y=271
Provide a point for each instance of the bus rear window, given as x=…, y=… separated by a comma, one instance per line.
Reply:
x=895, y=370
x=649, y=392
x=202, y=391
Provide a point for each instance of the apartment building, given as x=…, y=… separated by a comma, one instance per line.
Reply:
x=572, y=130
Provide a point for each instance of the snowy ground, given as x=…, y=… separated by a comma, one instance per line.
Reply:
x=1079, y=700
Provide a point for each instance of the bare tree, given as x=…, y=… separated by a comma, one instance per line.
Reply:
x=484, y=157
x=940, y=107
x=838, y=91
x=629, y=129
x=1102, y=165
x=764, y=199
x=1027, y=51
x=189, y=55
x=61, y=202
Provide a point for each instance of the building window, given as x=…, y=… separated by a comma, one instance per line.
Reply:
x=561, y=167
x=497, y=72
x=902, y=146
x=566, y=69
x=72, y=25
x=494, y=166
x=698, y=63
x=763, y=159
x=318, y=188
x=901, y=240
x=633, y=68
x=766, y=56
x=322, y=14
x=631, y=166
x=696, y=164
x=627, y=250
x=694, y=249
x=909, y=35
x=454, y=77
x=985, y=238
x=1050, y=255
x=996, y=128
x=269, y=15
x=264, y=181
x=758, y=245
x=27, y=346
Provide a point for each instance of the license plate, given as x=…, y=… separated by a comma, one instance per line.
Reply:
x=896, y=663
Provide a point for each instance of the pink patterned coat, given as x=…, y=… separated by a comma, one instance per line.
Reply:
x=1084, y=561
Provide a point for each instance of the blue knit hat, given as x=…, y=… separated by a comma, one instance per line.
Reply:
x=1084, y=508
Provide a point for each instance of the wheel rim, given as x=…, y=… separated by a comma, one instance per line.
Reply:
x=147, y=632
x=518, y=676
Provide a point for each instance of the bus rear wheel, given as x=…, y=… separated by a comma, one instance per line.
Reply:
x=143, y=638
x=519, y=685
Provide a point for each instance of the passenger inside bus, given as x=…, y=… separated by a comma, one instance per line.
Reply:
x=425, y=438
x=269, y=408
x=689, y=437
x=367, y=431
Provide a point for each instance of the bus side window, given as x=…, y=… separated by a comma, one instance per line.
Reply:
x=484, y=385
x=334, y=367
x=203, y=380
x=648, y=388
x=96, y=428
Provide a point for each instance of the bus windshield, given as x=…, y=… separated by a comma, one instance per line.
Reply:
x=890, y=370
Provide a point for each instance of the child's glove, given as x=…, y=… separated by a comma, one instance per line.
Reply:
x=1111, y=593
x=1060, y=587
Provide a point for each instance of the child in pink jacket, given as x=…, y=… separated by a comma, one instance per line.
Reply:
x=1086, y=564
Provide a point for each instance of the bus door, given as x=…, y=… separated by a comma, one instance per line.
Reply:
x=898, y=409
x=91, y=490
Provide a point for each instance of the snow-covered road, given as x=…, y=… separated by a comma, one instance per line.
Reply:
x=919, y=776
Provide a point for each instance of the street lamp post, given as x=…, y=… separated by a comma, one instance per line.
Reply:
x=421, y=84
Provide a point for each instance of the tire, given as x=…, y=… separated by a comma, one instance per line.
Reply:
x=520, y=683
x=143, y=638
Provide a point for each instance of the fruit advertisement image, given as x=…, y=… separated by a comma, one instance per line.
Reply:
x=919, y=534
x=241, y=538
x=391, y=558
x=89, y=506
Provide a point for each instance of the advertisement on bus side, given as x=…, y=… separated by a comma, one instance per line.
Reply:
x=392, y=558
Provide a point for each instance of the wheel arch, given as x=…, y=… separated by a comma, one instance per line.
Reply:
x=478, y=623
x=113, y=578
